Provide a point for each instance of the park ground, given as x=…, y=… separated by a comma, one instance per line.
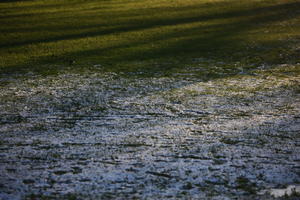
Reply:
x=149, y=99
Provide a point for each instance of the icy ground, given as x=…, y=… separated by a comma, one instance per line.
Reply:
x=126, y=136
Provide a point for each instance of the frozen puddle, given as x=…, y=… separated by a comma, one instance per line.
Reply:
x=106, y=135
x=285, y=192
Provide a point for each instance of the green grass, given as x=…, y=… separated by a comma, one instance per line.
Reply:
x=132, y=35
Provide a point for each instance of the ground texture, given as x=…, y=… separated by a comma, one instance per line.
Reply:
x=127, y=135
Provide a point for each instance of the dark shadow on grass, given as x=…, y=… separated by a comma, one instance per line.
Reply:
x=221, y=41
x=8, y=1
x=136, y=22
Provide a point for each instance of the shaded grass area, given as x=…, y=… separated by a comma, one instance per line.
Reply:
x=154, y=35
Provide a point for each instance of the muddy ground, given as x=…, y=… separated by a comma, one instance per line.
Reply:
x=108, y=135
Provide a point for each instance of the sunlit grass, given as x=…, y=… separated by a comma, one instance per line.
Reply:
x=136, y=35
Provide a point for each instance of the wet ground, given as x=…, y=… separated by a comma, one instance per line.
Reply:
x=108, y=135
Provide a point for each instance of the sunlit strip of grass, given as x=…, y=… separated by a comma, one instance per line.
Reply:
x=121, y=33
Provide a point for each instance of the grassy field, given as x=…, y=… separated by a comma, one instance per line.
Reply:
x=149, y=99
x=49, y=35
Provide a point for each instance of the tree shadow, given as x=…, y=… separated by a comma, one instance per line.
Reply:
x=227, y=39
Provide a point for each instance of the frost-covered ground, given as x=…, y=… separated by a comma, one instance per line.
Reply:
x=118, y=136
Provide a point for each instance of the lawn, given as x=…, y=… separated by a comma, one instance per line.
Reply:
x=47, y=36
x=149, y=99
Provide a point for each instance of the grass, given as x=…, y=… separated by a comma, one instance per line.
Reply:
x=49, y=35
